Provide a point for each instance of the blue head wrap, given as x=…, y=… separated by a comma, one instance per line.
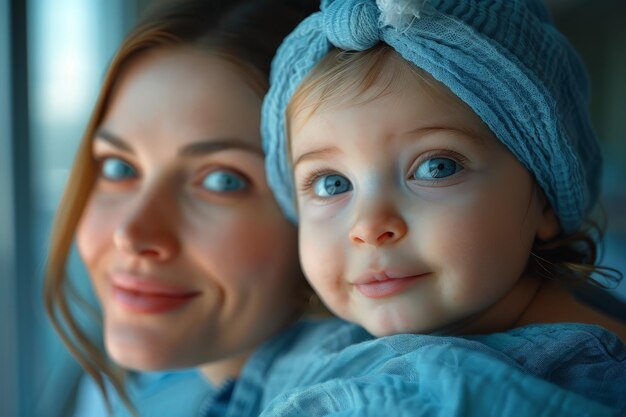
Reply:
x=504, y=58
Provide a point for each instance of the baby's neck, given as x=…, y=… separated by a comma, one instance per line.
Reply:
x=504, y=314
x=553, y=303
x=533, y=301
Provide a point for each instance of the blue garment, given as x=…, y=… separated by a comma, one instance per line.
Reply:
x=335, y=368
x=582, y=358
x=155, y=394
x=330, y=367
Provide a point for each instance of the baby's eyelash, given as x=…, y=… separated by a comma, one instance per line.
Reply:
x=441, y=153
x=306, y=183
x=446, y=153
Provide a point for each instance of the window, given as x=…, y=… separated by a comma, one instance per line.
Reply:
x=53, y=54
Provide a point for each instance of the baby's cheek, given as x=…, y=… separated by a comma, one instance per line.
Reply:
x=315, y=251
x=323, y=262
x=314, y=259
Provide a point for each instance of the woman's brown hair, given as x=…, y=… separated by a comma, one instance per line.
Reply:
x=245, y=32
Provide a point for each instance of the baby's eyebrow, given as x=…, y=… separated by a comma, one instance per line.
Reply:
x=472, y=135
x=317, y=154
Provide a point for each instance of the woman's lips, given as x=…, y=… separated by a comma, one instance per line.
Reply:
x=147, y=295
x=380, y=285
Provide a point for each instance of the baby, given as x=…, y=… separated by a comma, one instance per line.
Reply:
x=439, y=160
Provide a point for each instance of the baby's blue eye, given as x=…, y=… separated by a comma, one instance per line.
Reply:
x=330, y=185
x=115, y=169
x=437, y=168
x=224, y=181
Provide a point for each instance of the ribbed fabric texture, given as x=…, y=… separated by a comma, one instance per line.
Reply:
x=504, y=58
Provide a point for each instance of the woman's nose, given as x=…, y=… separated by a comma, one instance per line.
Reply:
x=149, y=229
x=377, y=226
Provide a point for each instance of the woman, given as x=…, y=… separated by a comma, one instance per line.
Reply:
x=189, y=255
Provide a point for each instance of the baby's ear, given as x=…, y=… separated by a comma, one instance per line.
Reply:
x=549, y=225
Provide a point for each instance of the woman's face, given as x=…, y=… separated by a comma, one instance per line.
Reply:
x=188, y=252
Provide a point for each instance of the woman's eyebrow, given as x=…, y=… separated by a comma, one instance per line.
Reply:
x=216, y=145
x=192, y=149
x=113, y=140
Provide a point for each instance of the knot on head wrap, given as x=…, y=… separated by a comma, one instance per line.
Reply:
x=351, y=25
x=504, y=58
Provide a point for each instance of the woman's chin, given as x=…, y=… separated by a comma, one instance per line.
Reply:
x=139, y=352
x=141, y=360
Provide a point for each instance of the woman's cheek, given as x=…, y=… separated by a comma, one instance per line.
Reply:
x=246, y=246
x=95, y=229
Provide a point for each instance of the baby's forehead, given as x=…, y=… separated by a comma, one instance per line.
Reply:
x=351, y=79
x=348, y=78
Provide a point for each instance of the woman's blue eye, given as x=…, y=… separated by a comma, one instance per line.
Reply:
x=115, y=169
x=223, y=181
x=437, y=168
x=330, y=185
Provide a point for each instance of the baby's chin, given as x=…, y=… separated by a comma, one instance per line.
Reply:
x=387, y=321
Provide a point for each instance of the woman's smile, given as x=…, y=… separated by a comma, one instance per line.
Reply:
x=148, y=295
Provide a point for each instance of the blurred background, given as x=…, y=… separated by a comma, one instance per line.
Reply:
x=53, y=54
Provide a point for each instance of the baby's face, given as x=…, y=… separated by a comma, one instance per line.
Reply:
x=413, y=216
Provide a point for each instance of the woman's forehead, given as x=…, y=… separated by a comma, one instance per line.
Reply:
x=173, y=98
